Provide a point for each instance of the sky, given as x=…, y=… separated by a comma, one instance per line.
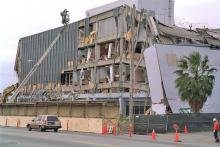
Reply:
x=20, y=18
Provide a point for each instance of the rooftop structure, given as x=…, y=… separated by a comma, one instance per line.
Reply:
x=162, y=10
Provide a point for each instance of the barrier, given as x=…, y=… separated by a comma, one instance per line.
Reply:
x=6, y=122
x=177, y=136
x=18, y=123
x=114, y=131
x=120, y=131
x=185, y=130
x=67, y=125
x=164, y=123
x=104, y=129
x=92, y=125
x=130, y=130
x=153, y=135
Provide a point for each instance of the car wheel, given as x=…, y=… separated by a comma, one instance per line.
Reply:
x=55, y=130
x=29, y=128
x=42, y=129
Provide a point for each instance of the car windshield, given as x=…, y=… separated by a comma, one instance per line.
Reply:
x=52, y=118
x=35, y=118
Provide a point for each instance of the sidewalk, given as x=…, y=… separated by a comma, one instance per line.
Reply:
x=199, y=139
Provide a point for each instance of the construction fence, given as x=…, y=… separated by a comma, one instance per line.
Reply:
x=195, y=122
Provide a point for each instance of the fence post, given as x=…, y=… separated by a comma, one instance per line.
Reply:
x=6, y=122
x=67, y=125
x=167, y=120
x=148, y=124
x=18, y=123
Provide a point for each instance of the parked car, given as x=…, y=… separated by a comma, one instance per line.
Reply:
x=45, y=122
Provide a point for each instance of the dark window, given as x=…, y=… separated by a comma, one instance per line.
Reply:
x=66, y=78
x=141, y=109
x=52, y=118
x=139, y=47
x=127, y=110
x=138, y=108
x=63, y=79
x=90, y=28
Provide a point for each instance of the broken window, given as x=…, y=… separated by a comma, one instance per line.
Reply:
x=107, y=51
x=90, y=54
x=84, y=76
x=66, y=78
x=138, y=108
x=116, y=73
x=86, y=55
x=126, y=73
x=104, y=74
x=81, y=34
x=139, y=47
x=139, y=75
x=82, y=53
x=91, y=27
x=62, y=79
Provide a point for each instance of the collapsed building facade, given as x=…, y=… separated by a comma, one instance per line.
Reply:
x=101, y=57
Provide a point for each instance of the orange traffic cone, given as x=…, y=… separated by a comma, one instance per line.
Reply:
x=153, y=135
x=185, y=130
x=176, y=136
x=104, y=129
x=114, y=131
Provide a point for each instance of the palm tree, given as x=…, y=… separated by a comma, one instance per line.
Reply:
x=195, y=80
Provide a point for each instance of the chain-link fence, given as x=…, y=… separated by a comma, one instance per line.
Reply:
x=168, y=123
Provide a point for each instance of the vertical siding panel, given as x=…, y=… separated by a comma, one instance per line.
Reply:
x=33, y=47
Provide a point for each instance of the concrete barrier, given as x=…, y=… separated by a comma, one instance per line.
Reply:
x=93, y=125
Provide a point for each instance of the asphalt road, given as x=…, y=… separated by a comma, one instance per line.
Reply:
x=13, y=137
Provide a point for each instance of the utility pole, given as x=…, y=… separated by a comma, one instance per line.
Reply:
x=132, y=48
x=133, y=43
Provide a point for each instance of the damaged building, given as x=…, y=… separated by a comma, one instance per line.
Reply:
x=102, y=56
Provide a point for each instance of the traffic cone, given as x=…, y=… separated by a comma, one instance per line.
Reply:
x=104, y=129
x=153, y=135
x=114, y=131
x=185, y=130
x=176, y=136
x=120, y=131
